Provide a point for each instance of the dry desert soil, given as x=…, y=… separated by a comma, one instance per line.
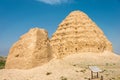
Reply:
x=72, y=67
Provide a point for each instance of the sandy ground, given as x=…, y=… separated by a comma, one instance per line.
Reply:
x=72, y=67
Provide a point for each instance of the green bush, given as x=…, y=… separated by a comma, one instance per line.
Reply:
x=2, y=64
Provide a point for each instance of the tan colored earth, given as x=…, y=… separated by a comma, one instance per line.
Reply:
x=77, y=44
x=72, y=67
x=78, y=33
x=31, y=50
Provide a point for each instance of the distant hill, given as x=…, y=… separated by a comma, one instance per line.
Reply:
x=2, y=62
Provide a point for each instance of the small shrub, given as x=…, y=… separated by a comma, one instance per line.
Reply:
x=113, y=78
x=107, y=74
x=77, y=71
x=74, y=65
x=106, y=64
x=63, y=78
x=86, y=78
x=83, y=71
x=48, y=73
x=118, y=77
x=103, y=71
x=114, y=64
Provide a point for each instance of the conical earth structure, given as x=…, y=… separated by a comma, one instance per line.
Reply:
x=78, y=33
x=31, y=50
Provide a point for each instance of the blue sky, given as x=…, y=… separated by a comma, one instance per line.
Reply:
x=18, y=16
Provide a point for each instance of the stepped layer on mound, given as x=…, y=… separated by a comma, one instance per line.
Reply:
x=32, y=49
x=78, y=33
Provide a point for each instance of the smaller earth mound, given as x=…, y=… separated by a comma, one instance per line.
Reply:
x=31, y=50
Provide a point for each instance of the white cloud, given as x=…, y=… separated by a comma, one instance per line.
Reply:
x=53, y=2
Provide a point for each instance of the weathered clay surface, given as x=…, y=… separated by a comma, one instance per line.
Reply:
x=32, y=49
x=78, y=33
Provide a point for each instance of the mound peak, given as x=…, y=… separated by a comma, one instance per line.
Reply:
x=78, y=33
